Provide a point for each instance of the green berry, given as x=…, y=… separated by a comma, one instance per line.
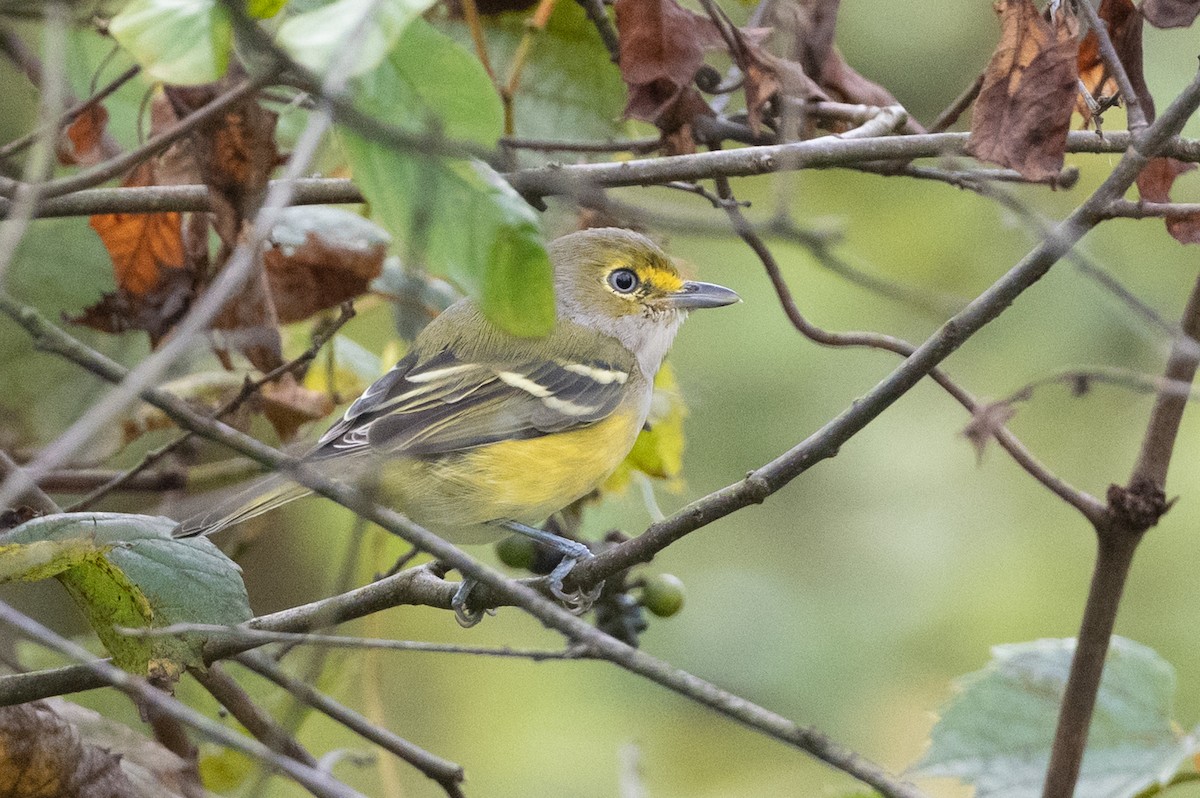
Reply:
x=663, y=595
x=517, y=551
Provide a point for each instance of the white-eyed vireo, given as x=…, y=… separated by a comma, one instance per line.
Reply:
x=477, y=431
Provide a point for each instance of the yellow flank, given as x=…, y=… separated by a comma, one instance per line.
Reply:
x=456, y=495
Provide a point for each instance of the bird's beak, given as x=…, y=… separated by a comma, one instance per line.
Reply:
x=702, y=295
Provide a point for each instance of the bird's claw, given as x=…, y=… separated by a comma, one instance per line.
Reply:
x=578, y=601
x=465, y=616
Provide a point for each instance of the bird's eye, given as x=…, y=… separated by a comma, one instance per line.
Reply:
x=623, y=281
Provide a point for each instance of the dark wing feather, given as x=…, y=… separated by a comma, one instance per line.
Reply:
x=444, y=405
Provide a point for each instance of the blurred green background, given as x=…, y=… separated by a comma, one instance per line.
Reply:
x=850, y=600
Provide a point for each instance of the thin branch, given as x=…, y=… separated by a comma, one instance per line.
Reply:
x=315, y=781
x=953, y=111
x=254, y=637
x=445, y=773
x=82, y=480
x=608, y=34
x=115, y=167
x=36, y=497
x=1128, y=209
x=577, y=180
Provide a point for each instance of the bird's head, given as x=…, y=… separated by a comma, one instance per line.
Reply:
x=621, y=283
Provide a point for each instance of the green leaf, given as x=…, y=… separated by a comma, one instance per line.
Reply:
x=176, y=41
x=315, y=38
x=569, y=88
x=996, y=734
x=127, y=571
x=461, y=216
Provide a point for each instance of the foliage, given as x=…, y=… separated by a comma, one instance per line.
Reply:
x=438, y=111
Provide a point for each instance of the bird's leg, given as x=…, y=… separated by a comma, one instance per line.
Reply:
x=572, y=552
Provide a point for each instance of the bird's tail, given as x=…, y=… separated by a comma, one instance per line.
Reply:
x=263, y=496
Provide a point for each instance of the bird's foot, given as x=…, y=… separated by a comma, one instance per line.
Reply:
x=578, y=601
x=463, y=613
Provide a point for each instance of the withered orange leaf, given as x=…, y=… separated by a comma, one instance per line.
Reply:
x=1154, y=185
x=289, y=405
x=1171, y=13
x=80, y=142
x=1023, y=111
x=1124, y=25
x=141, y=245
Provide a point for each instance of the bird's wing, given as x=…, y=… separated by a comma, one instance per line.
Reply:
x=445, y=405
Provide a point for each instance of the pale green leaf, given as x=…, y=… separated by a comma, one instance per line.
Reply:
x=176, y=41
x=127, y=570
x=463, y=219
x=997, y=732
x=315, y=38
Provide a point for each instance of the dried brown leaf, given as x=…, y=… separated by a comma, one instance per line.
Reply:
x=142, y=245
x=1171, y=13
x=288, y=406
x=326, y=269
x=1154, y=185
x=985, y=422
x=81, y=144
x=42, y=756
x=1023, y=111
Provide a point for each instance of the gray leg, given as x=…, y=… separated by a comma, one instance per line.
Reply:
x=572, y=552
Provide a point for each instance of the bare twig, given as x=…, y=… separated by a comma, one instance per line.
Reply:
x=953, y=111
x=72, y=113
x=577, y=180
x=36, y=497
x=608, y=34
x=1086, y=504
x=258, y=637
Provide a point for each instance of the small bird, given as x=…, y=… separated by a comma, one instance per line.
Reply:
x=477, y=432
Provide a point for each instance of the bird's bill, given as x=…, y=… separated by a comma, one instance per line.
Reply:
x=695, y=295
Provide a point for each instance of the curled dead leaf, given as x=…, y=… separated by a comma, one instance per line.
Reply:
x=319, y=257
x=42, y=756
